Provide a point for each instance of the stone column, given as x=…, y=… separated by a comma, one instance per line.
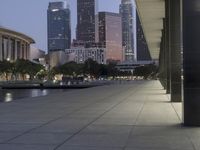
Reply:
x=21, y=49
x=191, y=62
x=28, y=51
x=165, y=54
x=15, y=50
x=25, y=50
x=1, y=53
x=162, y=69
x=175, y=48
x=9, y=49
x=12, y=52
x=167, y=43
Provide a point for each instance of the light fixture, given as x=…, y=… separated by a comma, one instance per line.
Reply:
x=55, y=10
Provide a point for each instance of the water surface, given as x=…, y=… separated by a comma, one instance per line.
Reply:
x=8, y=95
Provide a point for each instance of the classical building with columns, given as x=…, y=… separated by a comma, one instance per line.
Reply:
x=14, y=45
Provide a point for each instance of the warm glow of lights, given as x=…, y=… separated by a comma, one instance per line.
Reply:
x=8, y=97
x=55, y=10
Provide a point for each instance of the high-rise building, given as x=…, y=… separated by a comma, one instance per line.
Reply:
x=59, y=26
x=86, y=10
x=143, y=53
x=128, y=13
x=110, y=35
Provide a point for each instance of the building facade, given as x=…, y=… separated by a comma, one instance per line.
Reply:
x=81, y=54
x=76, y=44
x=86, y=10
x=127, y=11
x=110, y=35
x=14, y=45
x=36, y=53
x=59, y=26
x=56, y=58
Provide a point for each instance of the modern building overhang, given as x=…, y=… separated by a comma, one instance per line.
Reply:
x=15, y=34
x=151, y=14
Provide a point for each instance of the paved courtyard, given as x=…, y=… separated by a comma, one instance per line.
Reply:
x=128, y=116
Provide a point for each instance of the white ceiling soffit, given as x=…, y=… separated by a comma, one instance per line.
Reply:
x=151, y=13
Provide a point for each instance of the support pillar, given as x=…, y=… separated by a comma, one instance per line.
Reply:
x=175, y=48
x=165, y=49
x=162, y=65
x=9, y=49
x=1, y=53
x=24, y=52
x=21, y=49
x=15, y=58
x=28, y=51
x=191, y=62
x=167, y=43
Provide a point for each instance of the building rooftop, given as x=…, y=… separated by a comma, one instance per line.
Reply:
x=16, y=34
x=110, y=13
x=122, y=116
x=56, y=5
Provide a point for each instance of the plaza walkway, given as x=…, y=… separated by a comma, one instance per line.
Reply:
x=131, y=116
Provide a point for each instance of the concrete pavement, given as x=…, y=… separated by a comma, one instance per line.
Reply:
x=128, y=116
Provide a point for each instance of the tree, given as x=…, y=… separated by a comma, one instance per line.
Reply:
x=103, y=70
x=148, y=71
x=54, y=71
x=24, y=67
x=42, y=74
x=34, y=69
x=91, y=67
x=6, y=68
x=69, y=68
x=21, y=67
x=112, y=70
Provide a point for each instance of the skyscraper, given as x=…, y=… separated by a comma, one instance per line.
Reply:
x=128, y=10
x=59, y=26
x=86, y=10
x=110, y=35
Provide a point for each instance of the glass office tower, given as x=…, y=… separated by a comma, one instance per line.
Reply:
x=86, y=11
x=127, y=11
x=110, y=35
x=59, y=26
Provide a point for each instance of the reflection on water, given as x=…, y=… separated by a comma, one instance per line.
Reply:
x=35, y=93
x=8, y=97
x=13, y=94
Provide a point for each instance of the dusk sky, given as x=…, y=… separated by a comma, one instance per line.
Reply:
x=30, y=16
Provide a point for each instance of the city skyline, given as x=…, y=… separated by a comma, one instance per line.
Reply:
x=34, y=23
x=86, y=97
